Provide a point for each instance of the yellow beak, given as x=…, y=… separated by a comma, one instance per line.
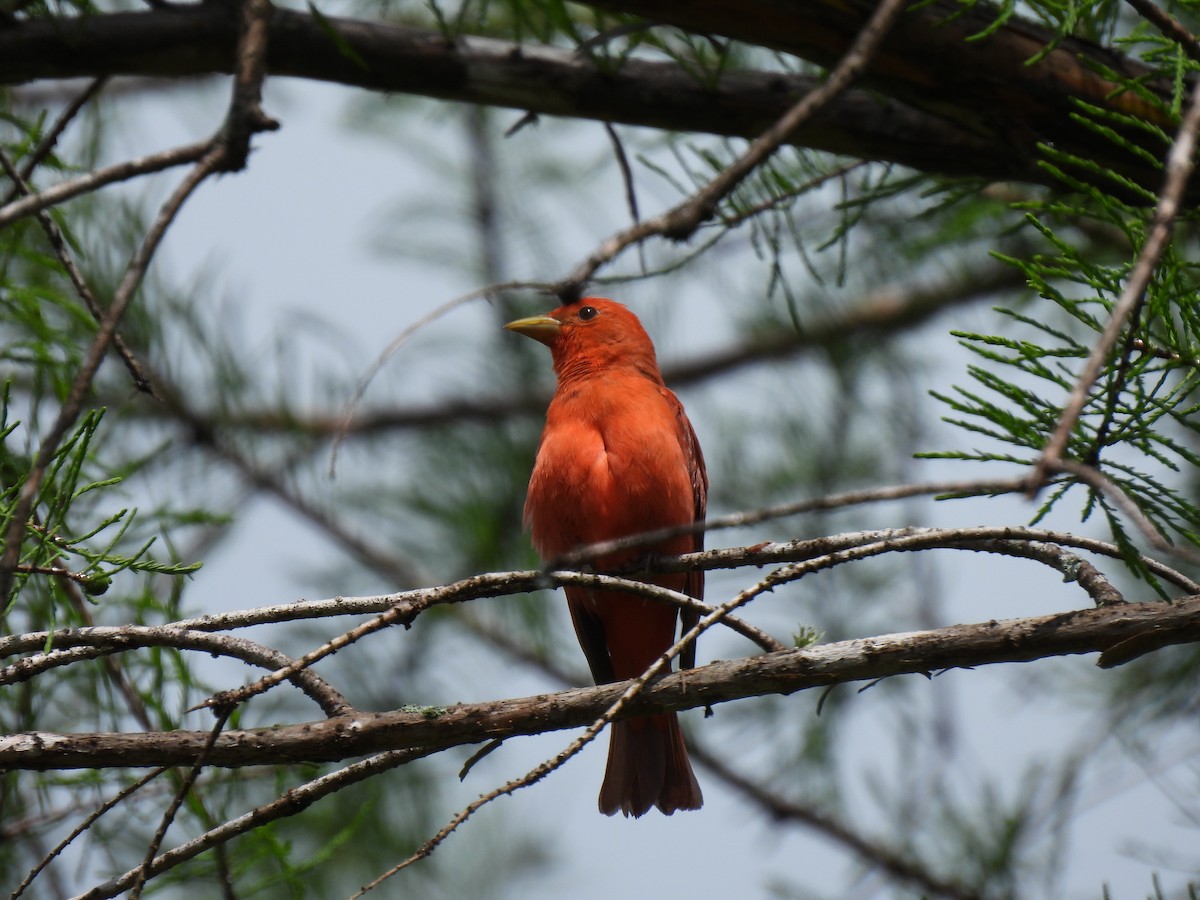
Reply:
x=540, y=328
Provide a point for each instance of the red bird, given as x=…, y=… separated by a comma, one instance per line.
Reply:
x=619, y=457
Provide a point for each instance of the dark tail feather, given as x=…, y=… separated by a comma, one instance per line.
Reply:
x=648, y=766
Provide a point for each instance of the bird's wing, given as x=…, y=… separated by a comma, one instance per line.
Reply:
x=694, y=585
x=590, y=632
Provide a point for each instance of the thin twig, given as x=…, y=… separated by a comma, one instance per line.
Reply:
x=1168, y=25
x=1180, y=162
x=1169, y=355
x=681, y=222
x=92, y=181
x=795, y=508
x=351, y=405
x=405, y=612
x=887, y=311
x=59, y=244
x=50, y=139
x=76, y=644
x=1098, y=481
x=107, y=328
x=143, y=872
x=631, y=200
x=505, y=583
x=272, y=481
x=630, y=692
x=815, y=555
x=733, y=219
x=293, y=802
x=137, y=708
x=83, y=826
x=872, y=854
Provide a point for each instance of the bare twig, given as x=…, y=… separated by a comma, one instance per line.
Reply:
x=404, y=613
x=77, y=644
x=73, y=405
x=1180, y=162
x=137, y=708
x=293, y=802
x=400, y=340
x=92, y=181
x=172, y=810
x=839, y=549
x=504, y=583
x=631, y=200
x=815, y=555
x=246, y=117
x=83, y=826
x=58, y=243
x=796, y=508
x=630, y=692
x=273, y=482
x=872, y=853
x=1168, y=25
x=50, y=139
x=681, y=222
x=1099, y=482
x=1169, y=355
x=883, y=312
x=734, y=219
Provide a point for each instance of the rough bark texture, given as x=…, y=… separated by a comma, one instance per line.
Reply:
x=939, y=102
x=1144, y=625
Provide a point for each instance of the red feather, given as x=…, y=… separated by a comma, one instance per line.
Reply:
x=619, y=457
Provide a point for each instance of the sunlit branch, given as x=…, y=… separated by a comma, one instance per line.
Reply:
x=72, y=645
x=867, y=659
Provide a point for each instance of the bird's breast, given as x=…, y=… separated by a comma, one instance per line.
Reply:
x=610, y=464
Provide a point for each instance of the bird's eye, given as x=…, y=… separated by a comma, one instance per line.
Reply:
x=588, y=312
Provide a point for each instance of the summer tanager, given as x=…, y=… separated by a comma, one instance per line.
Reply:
x=619, y=457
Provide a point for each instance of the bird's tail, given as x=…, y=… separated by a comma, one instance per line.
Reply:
x=648, y=766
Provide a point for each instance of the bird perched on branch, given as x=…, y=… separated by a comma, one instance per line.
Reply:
x=619, y=457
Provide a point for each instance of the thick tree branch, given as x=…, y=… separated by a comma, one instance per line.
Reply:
x=983, y=109
x=1016, y=85
x=433, y=728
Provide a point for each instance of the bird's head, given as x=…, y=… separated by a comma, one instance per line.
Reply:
x=590, y=335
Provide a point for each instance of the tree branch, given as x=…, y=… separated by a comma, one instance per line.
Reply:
x=888, y=311
x=1016, y=85
x=987, y=120
x=106, y=331
x=681, y=222
x=291, y=803
x=1180, y=163
x=874, y=854
x=432, y=728
x=73, y=645
x=825, y=551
